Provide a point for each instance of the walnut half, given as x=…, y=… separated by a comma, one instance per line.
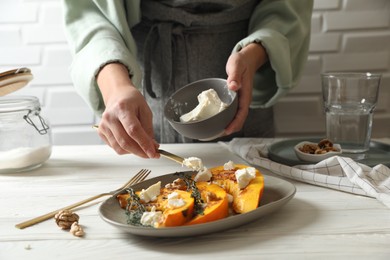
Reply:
x=65, y=219
x=322, y=147
x=177, y=184
x=76, y=230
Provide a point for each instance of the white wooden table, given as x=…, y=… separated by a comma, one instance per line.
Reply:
x=317, y=222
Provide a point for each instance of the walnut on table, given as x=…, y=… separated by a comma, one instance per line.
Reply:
x=65, y=219
x=76, y=230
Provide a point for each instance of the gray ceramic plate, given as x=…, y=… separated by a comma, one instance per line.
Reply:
x=277, y=192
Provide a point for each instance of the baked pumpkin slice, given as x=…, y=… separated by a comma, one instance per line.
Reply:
x=176, y=206
x=176, y=214
x=244, y=199
x=215, y=203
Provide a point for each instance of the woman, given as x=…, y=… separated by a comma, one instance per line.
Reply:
x=261, y=46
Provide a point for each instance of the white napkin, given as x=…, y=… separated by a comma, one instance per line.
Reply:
x=340, y=173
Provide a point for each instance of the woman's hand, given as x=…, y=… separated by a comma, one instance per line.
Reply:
x=126, y=123
x=241, y=68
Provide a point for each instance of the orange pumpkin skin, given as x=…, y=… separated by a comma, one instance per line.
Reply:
x=216, y=208
x=244, y=200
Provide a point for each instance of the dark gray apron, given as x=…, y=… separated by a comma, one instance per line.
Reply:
x=177, y=46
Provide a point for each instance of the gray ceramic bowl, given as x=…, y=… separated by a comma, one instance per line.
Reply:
x=186, y=99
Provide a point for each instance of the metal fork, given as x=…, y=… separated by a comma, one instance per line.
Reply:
x=140, y=176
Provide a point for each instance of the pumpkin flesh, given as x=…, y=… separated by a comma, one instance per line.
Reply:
x=244, y=200
x=216, y=203
x=177, y=216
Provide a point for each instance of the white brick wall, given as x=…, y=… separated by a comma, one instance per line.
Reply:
x=347, y=35
x=32, y=35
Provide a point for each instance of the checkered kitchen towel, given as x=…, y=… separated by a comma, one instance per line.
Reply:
x=340, y=173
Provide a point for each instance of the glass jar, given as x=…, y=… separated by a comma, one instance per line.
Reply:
x=25, y=136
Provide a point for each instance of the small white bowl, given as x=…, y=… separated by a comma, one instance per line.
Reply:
x=315, y=157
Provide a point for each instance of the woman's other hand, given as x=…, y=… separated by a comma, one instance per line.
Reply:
x=241, y=68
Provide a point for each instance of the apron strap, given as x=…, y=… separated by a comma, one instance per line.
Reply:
x=163, y=61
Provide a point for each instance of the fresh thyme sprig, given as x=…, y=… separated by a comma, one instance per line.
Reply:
x=134, y=209
x=195, y=193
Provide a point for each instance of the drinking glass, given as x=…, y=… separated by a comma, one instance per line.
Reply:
x=349, y=102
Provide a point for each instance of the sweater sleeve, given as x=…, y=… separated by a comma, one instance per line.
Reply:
x=283, y=29
x=98, y=33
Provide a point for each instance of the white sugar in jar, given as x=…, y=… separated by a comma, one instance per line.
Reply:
x=25, y=136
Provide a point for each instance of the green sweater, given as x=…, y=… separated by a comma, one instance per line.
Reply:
x=281, y=26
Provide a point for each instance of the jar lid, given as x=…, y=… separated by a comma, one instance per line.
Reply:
x=13, y=80
x=18, y=103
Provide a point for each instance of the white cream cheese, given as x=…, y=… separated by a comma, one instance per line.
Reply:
x=151, y=193
x=244, y=176
x=151, y=218
x=209, y=105
x=194, y=163
x=228, y=166
x=203, y=175
x=173, y=195
x=174, y=200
